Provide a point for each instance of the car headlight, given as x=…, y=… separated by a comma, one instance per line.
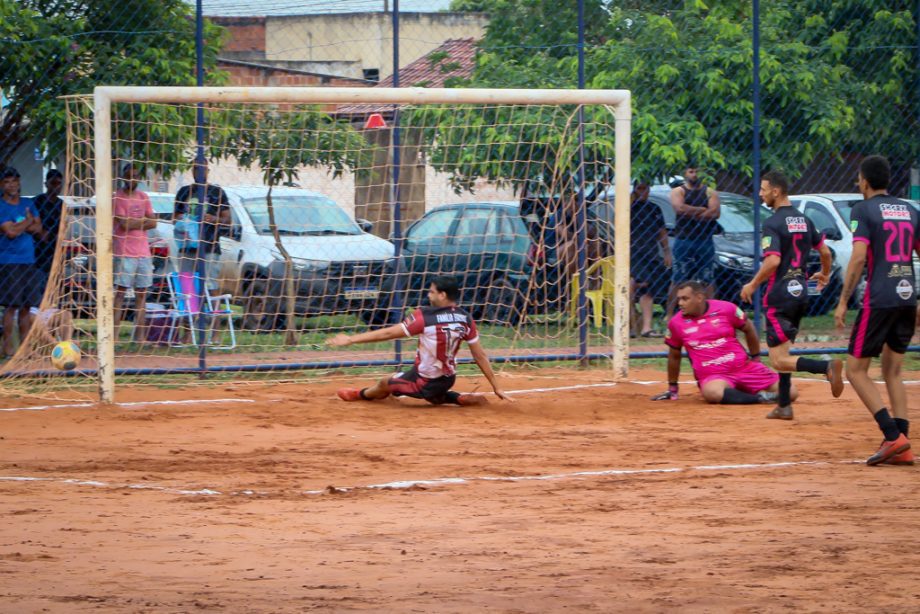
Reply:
x=302, y=264
x=734, y=261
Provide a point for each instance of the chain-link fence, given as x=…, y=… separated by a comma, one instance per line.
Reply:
x=839, y=81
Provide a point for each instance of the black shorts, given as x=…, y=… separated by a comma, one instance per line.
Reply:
x=783, y=323
x=410, y=384
x=875, y=328
x=22, y=285
x=651, y=277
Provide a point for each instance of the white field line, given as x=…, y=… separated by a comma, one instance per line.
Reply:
x=127, y=405
x=406, y=484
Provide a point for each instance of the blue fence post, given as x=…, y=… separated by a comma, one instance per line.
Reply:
x=756, y=160
x=397, y=217
x=199, y=179
x=580, y=214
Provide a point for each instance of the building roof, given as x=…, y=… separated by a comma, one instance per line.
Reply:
x=454, y=59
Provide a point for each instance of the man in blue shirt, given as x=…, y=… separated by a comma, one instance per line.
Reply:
x=21, y=283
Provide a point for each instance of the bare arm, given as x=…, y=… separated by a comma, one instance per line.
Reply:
x=482, y=361
x=674, y=358
x=14, y=229
x=713, y=208
x=680, y=207
x=397, y=331
x=665, y=246
x=750, y=335
x=769, y=266
x=850, y=280
x=824, y=275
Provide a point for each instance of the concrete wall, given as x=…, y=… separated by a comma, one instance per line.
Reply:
x=365, y=38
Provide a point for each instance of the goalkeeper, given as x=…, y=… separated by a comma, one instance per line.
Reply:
x=726, y=373
x=440, y=328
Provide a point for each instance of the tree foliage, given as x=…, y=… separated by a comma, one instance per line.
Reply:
x=837, y=77
x=53, y=48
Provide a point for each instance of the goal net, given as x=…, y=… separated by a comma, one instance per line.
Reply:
x=229, y=232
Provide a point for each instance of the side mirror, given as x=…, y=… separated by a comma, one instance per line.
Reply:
x=365, y=225
x=832, y=233
x=236, y=232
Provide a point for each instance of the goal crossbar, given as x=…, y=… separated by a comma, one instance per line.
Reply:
x=105, y=96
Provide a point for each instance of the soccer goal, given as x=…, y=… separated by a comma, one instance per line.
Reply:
x=231, y=230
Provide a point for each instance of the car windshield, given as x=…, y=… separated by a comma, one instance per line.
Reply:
x=738, y=213
x=301, y=215
x=162, y=204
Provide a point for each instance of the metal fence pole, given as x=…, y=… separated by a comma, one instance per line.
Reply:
x=198, y=178
x=397, y=217
x=580, y=214
x=756, y=160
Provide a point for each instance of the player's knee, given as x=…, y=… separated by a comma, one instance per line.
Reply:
x=713, y=395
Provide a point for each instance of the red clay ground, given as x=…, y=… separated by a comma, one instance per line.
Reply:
x=832, y=535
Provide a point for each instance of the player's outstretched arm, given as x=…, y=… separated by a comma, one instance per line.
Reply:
x=482, y=361
x=674, y=359
x=397, y=331
x=769, y=266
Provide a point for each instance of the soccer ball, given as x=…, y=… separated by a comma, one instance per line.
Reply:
x=65, y=356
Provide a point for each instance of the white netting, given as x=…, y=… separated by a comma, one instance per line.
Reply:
x=349, y=236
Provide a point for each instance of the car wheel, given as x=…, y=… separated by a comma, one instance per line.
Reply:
x=502, y=304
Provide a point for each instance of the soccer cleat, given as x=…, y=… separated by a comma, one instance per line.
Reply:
x=889, y=449
x=904, y=458
x=781, y=413
x=468, y=399
x=349, y=394
x=835, y=377
x=766, y=396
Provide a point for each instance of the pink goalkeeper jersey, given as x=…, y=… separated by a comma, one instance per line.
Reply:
x=711, y=339
x=130, y=243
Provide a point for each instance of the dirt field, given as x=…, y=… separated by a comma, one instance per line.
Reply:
x=264, y=502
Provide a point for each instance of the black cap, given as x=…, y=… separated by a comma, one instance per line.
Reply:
x=9, y=171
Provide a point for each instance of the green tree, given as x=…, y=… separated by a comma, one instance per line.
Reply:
x=836, y=77
x=54, y=48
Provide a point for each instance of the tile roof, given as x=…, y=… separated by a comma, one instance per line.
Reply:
x=456, y=58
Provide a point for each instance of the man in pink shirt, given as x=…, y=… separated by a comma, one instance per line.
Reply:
x=725, y=371
x=133, y=217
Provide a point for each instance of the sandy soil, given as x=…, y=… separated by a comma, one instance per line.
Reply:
x=289, y=523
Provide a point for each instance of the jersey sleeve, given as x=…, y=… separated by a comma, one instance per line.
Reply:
x=770, y=241
x=472, y=333
x=414, y=324
x=736, y=316
x=673, y=337
x=859, y=224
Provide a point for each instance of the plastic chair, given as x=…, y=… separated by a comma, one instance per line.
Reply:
x=187, y=293
x=601, y=299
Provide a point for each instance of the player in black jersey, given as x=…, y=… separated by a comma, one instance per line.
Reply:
x=788, y=236
x=886, y=233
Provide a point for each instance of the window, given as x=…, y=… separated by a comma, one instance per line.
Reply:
x=820, y=216
x=433, y=226
x=477, y=224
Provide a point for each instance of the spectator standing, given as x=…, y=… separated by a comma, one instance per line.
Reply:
x=49, y=206
x=649, y=254
x=212, y=218
x=133, y=217
x=21, y=284
x=696, y=207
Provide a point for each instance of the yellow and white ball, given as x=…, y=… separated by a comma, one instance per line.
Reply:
x=65, y=356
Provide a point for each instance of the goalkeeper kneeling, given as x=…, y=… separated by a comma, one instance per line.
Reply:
x=726, y=373
x=440, y=329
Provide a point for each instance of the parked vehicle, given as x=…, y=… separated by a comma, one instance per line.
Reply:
x=79, y=260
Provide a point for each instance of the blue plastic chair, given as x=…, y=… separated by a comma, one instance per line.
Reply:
x=190, y=298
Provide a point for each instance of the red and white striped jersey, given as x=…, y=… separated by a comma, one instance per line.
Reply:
x=440, y=331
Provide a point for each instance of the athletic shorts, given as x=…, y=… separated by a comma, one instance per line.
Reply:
x=410, y=384
x=783, y=324
x=651, y=277
x=752, y=377
x=134, y=272
x=875, y=328
x=21, y=285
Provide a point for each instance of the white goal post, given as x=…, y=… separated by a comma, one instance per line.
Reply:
x=106, y=96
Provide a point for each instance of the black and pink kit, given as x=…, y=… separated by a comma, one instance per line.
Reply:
x=791, y=236
x=890, y=228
